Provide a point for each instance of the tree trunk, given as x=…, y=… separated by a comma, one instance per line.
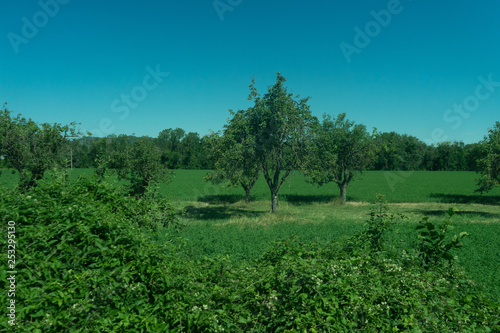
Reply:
x=343, y=193
x=247, y=194
x=248, y=188
x=274, y=200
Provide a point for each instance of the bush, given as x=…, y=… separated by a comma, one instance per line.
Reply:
x=86, y=254
x=88, y=260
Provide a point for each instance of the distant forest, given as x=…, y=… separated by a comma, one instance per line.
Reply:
x=181, y=150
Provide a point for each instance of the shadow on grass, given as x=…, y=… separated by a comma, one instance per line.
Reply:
x=295, y=199
x=221, y=199
x=217, y=212
x=443, y=213
x=466, y=199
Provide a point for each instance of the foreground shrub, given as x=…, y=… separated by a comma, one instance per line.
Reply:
x=88, y=260
x=86, y=254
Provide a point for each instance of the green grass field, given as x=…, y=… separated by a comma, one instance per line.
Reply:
x=418, y=186
x=404, y=186
x=218, y=222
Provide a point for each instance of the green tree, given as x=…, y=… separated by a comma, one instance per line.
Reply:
x=140, y=163
x=450, y=156
x=280, y=126
x=234, y=154
x=32, y=149
x=169, y=140
x=474, y=153
x=190, y=149
x=339, y=150
x=490, y=165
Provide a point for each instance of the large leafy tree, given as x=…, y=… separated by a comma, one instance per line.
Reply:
x=340, y=148
x=490, y=165
x=280, y=126
x=234, y=154
x=31, y=148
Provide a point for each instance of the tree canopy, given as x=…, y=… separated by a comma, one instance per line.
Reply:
x=490, y=165
x=234, y=154
x=280, y=126
x=338, y=150
x=31, y=148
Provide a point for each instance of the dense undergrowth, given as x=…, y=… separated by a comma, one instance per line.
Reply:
x=88, y=259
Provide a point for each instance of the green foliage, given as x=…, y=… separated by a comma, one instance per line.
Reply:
x=90, y=261
x=338, y=150
x=31, y=148
x=233, y=154
x=137, y=160
x=490, y=165
x=434, y=248
x=280, y=126
x=86, y=255
x=379, y=224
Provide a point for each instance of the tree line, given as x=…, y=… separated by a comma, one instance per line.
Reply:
x=273, y=138
x=392, y=151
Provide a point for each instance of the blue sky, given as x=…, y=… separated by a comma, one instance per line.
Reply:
x=425, y=68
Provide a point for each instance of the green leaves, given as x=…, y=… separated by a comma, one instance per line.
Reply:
x=91, y=260
x=433, y=248
x=233, y=154
x=87, y=250
x=31, y=148
x=490, y=165
x=279, y=126
x=338, y=149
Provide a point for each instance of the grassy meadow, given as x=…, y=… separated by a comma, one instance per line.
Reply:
x=219, y=223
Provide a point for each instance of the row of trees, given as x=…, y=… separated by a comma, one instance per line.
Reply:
x=279, y=135
x=392, y=151
x=274, y=137
x=178, y=149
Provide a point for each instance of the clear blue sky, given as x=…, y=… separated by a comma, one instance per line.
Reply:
x=90, y=62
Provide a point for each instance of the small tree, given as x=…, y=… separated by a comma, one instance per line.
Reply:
x=32, y=149
x=490, y=165
x=234, y=154
x=339, y=150
x=135, y=159
x=280, y=126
